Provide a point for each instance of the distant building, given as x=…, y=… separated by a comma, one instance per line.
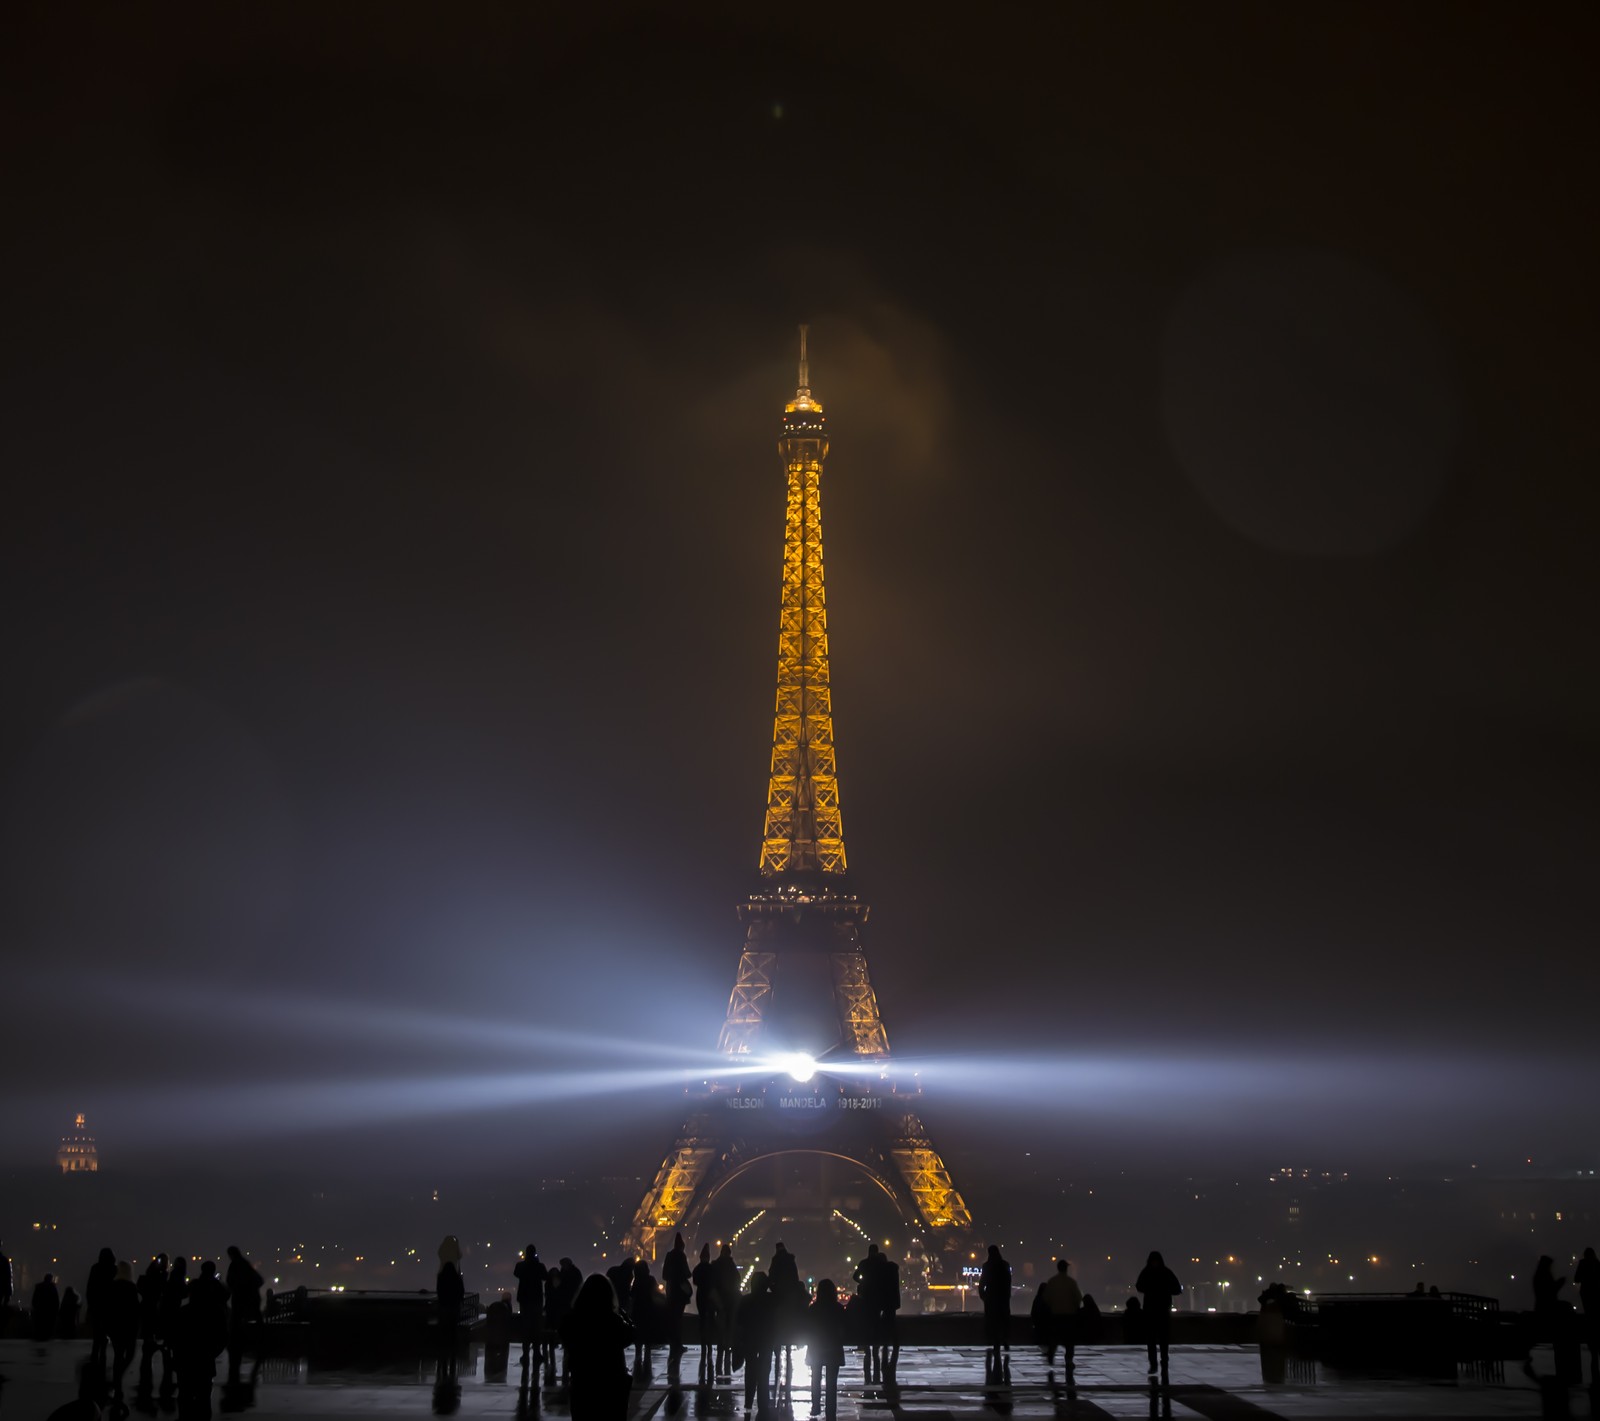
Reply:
x=77, y=1154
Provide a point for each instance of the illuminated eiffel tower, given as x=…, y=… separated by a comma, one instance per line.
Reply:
x=803, y=992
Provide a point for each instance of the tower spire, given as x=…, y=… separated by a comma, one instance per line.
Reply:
x=803, y=834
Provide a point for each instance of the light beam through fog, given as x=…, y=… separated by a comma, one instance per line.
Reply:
x=559, y=1066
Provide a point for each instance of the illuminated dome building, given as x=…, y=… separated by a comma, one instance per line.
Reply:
x=77, y=1154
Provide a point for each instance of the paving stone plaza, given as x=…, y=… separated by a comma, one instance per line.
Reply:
x=1224, y=1383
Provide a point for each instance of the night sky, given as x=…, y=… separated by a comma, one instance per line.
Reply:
x=392, y=535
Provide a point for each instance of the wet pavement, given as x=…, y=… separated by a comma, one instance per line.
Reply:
x=932, y=1384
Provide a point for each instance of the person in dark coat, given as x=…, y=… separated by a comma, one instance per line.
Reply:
x=1160, y=1286
x=244, y=1310
x=46, y=1308
x=208, y=1295
x=788, y=1307
x=7, y=1280
x=67, y=1320
x=1546, y=1286
x=887, y=1320
x=152, y=1284
x=877, y=1282
x=449, y=1295
x=1057, y=1307
x=825, y=1349
x=122, y=1323
x=727, y=1276
x=97, y=1298
x=201, y=1333
x=1089, y=1325
x=678, y=1290
x=567, y=1281
x=994, y=1287
x=621, y=1276
x=643, y=1298
x=172, y=1300
x=595, y=1337
x=531, y=1275
x=754, y=1332
x=704, y=1279
x=1586, y=1278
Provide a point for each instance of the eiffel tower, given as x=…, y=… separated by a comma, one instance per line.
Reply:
x=803, y=997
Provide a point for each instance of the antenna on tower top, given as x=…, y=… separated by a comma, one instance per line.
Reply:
x=805, y=374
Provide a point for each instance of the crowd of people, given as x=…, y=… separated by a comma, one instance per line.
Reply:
x=582, y=1331
x=172, y=1320
x=743, y=1323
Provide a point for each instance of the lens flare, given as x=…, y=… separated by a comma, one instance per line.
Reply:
x=799, y=1065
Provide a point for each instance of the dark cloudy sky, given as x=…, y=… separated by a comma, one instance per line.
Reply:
x=393, y=519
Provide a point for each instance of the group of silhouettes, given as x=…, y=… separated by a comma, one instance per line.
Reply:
x=163, y=1316
x=750, y=1323
x=753, y=1323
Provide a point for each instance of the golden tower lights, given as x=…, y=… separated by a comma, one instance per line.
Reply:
x=803, y=918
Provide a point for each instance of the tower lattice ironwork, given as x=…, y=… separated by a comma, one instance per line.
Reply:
x=803, y=982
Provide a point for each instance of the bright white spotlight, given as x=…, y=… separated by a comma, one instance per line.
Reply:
x=799, y=1065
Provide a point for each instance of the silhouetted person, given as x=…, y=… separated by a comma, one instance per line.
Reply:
x=621, y=1276
x=7, y=1279
x=449, y=1294
x=1133, y=1321
x=704, y=1279
x=642, y=1300
x=1160, y=1286
x=1089, y=1321
x=172, y=1300
x=728, y=1304
x=531, y=1276
x=754, y=1334
x=499, y=1323
x=71, y=1306
x=45, y=1310
x=862, y=1312
x=595, y=1337
x=675, y=1283
x=1586, y=1278
x=205, y=1333
x=1550, y=1320
x=865, y=1274
x=825, y=1350
x=97, y=1295
x=567, y=1295
x=887, y=1320
x=1062, y=1300
x=196, y=1338
x=244, y=1310
x=152, y=1284
x=994, y=1287
x=1546, y=1287
x=788, y=1306
x=877, y=1281
x=122, y=1323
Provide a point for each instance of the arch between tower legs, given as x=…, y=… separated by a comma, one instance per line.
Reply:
x=889, y=1148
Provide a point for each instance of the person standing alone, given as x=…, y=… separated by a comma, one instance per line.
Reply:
x=1160, y=1286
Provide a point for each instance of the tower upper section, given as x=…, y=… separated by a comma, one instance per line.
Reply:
x=803, y=835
